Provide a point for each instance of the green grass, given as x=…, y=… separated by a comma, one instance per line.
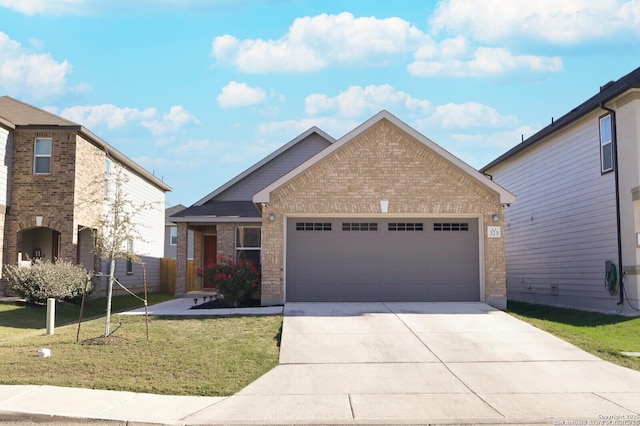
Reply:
x=602, y=335
x=17, y=318
x=213, y=356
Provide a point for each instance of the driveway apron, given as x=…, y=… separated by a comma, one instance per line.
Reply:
x=427, y=362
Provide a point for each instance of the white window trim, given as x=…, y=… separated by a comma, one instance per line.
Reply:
x=36, y=156
x=173, y=232
x=235, y=254
x=608, y=144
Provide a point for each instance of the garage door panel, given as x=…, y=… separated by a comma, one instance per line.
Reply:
x=405, y=273
x=383, y=260
x=318, y=293
x=451, y=292
x=358, y=273
x=406, y=292
x=362, y=292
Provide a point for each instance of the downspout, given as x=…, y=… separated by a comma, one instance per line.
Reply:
x=614, y=137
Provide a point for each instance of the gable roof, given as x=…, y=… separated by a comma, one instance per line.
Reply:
x=21, y=114
x=505, y=196
x=608, y=92
x=15, y=114
x=263, y=162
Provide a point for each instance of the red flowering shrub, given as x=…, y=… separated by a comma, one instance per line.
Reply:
x=235, y=280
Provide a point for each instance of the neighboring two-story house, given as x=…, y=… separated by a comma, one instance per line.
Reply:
x=171, y=234
x=54, y=177
x=573, y=237
x=381, y=214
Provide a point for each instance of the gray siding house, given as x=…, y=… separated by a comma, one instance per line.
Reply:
x=171, y=234
x=573, y=237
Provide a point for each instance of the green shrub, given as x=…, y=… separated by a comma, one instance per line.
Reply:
x=42, y=280
x=235, y=280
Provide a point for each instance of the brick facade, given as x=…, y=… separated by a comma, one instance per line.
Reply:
x=382, y=163
x=66, y=199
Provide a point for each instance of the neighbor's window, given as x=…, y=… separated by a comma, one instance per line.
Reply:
x=107, y=177
x=42, y=156
x=129, y=261
x=248, y=244
x=173, y=236
x=606, y=144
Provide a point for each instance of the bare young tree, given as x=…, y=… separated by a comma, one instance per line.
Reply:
x=117, y=228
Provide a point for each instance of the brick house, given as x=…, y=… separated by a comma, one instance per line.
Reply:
x=382, y=214
x=53, y=179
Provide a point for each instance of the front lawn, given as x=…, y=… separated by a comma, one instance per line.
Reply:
x=212, y=356
x=602, y=335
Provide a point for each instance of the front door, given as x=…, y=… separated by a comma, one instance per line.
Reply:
x=209, y=254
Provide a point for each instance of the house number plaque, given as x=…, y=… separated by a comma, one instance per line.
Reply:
x=494, y=231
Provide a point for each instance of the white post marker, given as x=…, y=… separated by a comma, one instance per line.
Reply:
x=51, y=315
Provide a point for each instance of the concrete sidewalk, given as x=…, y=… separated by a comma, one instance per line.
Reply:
x=383, y=363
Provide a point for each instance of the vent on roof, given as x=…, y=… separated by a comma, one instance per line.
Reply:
x=607, y=85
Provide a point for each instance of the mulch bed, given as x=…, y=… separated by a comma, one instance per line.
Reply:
x=105, y=340
x=219, y=304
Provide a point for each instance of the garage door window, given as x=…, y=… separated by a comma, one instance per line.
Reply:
x=313, y=226
x=358, y=226
x=248, y=244
x=450, y=226
x=406, y=226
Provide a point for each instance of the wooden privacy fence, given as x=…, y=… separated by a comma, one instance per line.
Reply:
x=168, y=275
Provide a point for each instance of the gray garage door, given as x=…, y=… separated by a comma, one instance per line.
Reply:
x=362, y=260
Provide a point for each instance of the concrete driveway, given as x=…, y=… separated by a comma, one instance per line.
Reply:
x=427, y=362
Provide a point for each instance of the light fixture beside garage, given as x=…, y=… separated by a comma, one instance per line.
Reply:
x=384, y=206
x=495, y=217
x=272, y=217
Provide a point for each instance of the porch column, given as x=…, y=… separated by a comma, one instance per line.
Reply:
x=181, y=259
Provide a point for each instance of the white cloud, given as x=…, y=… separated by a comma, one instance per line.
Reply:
x=484, y=61
x=564, y=22
x=32, y=75
x=357, y=101
x=171, y=122
x=469, y=115
x=289, y=129
x=317, y=42
x=114, y=117
x=110, y=115
x=502, y=140
x=194, y=148
x=236, y=94
x=94, y=7
x=44, y=7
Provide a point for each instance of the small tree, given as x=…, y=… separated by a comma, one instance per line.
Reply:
x=116, y=228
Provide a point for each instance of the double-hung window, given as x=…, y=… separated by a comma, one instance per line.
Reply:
x=129, y=258
x=173, y=235
x=42, y=156
x=248, y=244
x=606, y=143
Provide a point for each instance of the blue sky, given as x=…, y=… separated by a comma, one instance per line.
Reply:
x=196, y=91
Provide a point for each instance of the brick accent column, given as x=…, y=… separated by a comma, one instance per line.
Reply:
x=181, y=260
